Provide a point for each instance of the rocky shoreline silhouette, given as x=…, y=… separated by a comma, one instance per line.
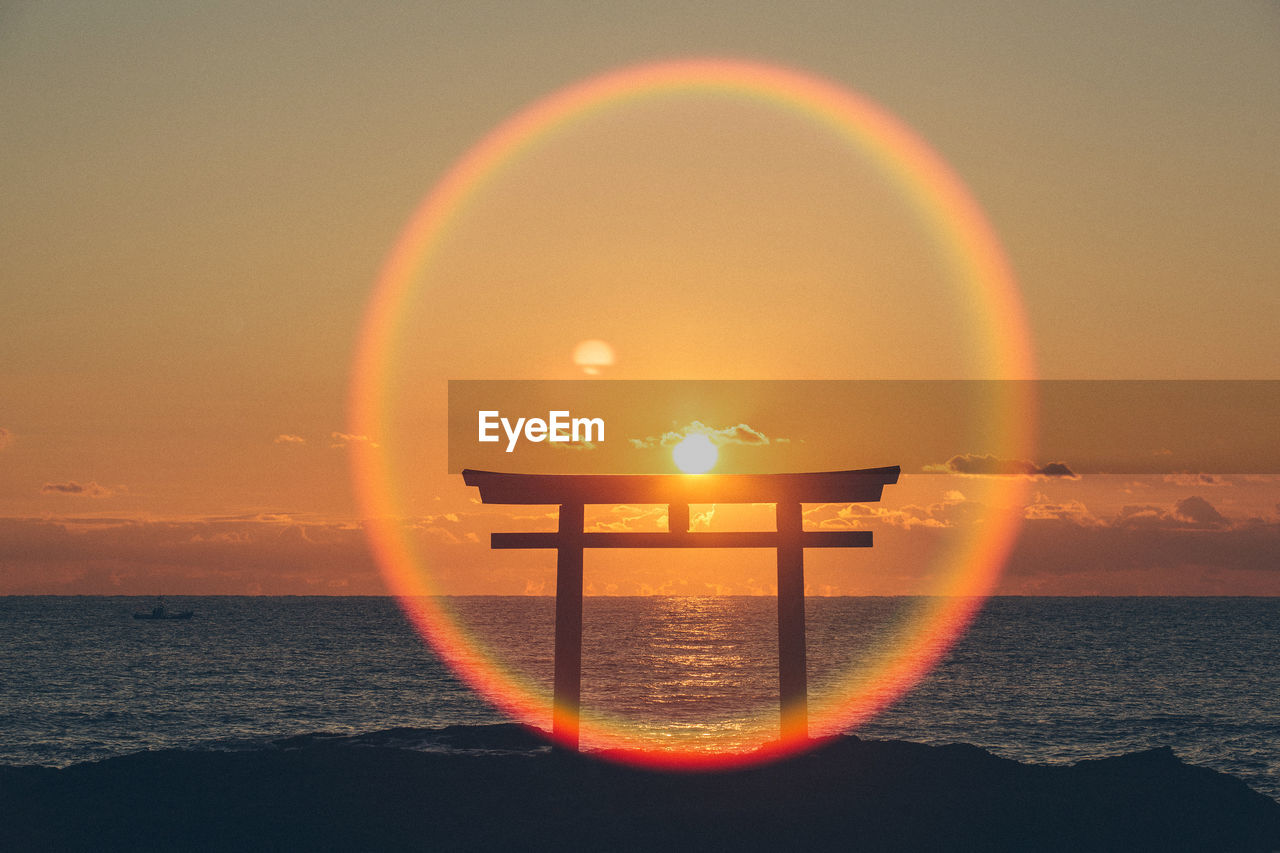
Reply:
x=498, y=787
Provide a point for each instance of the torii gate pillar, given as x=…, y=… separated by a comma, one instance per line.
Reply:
x=567, y=695
x=793, y=679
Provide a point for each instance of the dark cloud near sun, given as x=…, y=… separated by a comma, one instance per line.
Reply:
x=975, y=465
x=739, y=434
x=742, y=434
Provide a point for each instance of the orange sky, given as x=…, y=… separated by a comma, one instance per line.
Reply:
x=198, y=204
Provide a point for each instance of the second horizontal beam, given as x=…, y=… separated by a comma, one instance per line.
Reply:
x=752, y=539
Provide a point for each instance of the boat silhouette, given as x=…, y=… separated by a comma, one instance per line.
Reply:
x=162, y=612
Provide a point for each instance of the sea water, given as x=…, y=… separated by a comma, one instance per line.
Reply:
x=1045, y=680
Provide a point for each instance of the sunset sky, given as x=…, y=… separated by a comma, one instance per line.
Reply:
x=200, y=200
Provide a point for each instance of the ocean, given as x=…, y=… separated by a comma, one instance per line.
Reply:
x=1041, y=680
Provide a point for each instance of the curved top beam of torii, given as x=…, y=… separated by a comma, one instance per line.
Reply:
x=863, y=484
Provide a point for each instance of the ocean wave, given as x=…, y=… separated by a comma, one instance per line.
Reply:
x=493, y=738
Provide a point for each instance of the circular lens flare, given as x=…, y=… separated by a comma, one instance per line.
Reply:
x=997, y=334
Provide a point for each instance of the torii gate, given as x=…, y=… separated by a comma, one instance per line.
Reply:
x=787, y=491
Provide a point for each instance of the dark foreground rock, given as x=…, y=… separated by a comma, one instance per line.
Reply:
x=339, y=794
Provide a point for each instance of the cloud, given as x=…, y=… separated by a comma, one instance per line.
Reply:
x=973, y=465
x=742, y=434
x=1197, y=511
x=1187, y=549
x=136, y=557
x=1044, y=509
x=345, y=439
x=739, y=434
x=628, y=519
x=265, y=553
x=1194, y=480
x=446, y=527
x=287, y=438
x=1184, y=546
x=6, y=438
x=83, y=490
x=573, y=445
x=953, y=510
x=1193, y=513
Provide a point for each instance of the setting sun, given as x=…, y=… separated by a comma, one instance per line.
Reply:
x=695, y=455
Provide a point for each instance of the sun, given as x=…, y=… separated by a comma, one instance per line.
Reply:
x=695, y=454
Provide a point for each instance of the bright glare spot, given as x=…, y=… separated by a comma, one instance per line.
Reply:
x=695, y=454
x=592, y=356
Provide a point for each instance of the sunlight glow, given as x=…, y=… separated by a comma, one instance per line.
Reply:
x=592, y=356
x=695, y=455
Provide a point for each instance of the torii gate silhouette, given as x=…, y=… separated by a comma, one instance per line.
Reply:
x=787, y=491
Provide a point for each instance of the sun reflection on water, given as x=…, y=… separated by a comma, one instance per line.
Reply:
x=688, y=673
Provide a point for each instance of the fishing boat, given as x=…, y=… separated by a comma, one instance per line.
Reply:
x=162, y=612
